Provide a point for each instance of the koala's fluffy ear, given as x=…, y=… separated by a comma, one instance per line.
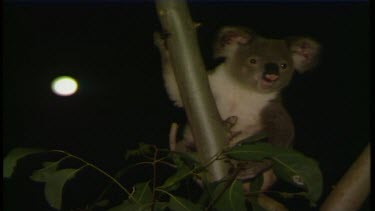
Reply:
x=229, y=38
x=305, y=53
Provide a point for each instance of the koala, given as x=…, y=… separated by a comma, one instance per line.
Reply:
x=246, y=86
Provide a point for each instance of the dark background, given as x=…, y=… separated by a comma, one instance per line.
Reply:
x=121, y=101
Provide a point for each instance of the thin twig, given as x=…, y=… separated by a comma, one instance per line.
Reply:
x=101, y=171
x=154, y=178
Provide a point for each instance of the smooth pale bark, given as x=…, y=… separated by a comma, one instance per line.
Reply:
x=353, y=188
x=206, y=124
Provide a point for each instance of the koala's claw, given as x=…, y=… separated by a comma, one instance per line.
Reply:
x=229, y=123
x=160, y=39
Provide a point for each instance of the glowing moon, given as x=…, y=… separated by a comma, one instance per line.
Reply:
x=64, y=86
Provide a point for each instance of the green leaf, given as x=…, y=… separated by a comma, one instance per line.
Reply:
x=289, y=165
x=302, y=171
x=55, y=184
x=102, y=203
x=142, y=193
x=255, y=187
x=132, y=206
x=186, y=165
x=257, y=151
x=206, y=196
x=232, y=199
x=180, y=204
x=189, y=158
x=10, y=161
x=160, y=206
x=143, y=149
x=255, y=204
x=257, y=137
x=140, y=200
x=172, y=182
x=129, y=205
x=41, y=175
x=256, y=183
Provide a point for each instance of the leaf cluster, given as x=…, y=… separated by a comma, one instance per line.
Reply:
x=228, y=194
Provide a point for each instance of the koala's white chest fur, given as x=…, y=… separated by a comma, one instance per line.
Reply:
x=234, y=100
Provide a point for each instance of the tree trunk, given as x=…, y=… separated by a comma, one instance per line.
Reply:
x=207, y=127
x=353, y=188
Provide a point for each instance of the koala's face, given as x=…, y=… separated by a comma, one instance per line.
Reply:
x=264, y=65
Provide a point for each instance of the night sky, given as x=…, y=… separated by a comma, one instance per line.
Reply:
x=121, y=100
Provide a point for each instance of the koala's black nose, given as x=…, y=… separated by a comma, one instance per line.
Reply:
x=271, y=68
x=271, y=72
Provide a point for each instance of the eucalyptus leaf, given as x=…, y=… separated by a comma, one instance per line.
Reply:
x=190, y=158
x=207, y=195
x=140, y=200
x=232, y=198
x=41, y=175
x=256, y=151
x=289, y=165
x=10, y=161
x=129, y=205
x=172, y=182
x=160, y=206
x=302, y=171
x=102, y=203
x=257, y=137
x=142, y=193
x=255, y=204
x=256, y=183
x=54, y=186
x=143, y=149
x=181, y=204
x=255, y=186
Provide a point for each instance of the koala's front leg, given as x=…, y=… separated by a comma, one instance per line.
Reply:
x=247, y=169
x=189, y=145
x=232, y=135
x=278, y=124
x=168, y=69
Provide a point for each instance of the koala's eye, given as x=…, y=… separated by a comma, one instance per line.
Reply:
x=253, y=61
x=283, y=66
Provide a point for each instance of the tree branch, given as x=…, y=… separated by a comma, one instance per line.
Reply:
x=353, y=188
x=206, y=124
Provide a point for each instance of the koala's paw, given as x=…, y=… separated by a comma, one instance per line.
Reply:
x=229, y=123
x=249, y=169
x=160, y=39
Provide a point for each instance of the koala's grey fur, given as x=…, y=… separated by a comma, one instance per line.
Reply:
x=247, y=84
